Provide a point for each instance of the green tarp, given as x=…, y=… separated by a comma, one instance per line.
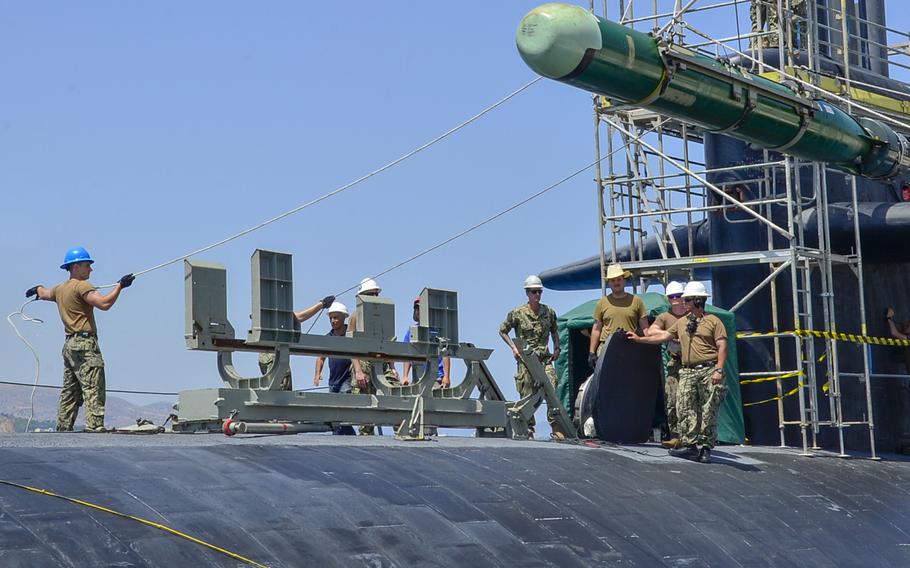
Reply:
x=572, y=365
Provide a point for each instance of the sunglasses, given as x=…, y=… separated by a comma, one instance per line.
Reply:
x=535, y=291
x=674, y=296
x=687, y=300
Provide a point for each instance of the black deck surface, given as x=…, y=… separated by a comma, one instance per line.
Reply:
x=323, y=501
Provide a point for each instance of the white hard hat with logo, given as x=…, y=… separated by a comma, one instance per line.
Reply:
x=674, y=288
x=338, y=308
x=695, y=289
x=533, y=282
x=368, y=285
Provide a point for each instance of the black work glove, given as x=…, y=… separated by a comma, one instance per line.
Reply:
x=127, y=280
x=33, y=291
x=592, y=360
x=327, y=301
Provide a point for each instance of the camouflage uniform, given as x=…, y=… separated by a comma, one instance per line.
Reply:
x=671, y=382
x=698, y=422
x=366, y=365
x=535, y=330
x=672, y=364
x=265, y=363
x=800, y=25
x=763, y=14
x=83, y=383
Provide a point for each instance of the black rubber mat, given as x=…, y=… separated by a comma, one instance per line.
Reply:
x=623, y=390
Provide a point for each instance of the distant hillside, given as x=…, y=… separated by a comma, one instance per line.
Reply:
x=14, y=403
x=13, y=424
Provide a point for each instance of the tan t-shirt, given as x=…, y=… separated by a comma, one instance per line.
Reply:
x=701, y=346
x=665, y=321
x=77, y=314
x=624, y=313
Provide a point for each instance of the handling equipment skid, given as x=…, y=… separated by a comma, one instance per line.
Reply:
x=256, y=405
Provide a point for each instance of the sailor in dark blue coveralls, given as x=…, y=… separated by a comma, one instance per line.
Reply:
x=339, y=369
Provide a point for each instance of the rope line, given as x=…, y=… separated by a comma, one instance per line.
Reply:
x=474, y=226
x=492, y=218
x=348, y=185
x=156, y=393
x=146, y=522
x=18, y=384
x=21, y=314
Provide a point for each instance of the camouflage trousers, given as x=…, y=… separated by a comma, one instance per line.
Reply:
x=83, y=383
x=764, y=16
x=265, y=363
x=671, y=381
x=366, y=365
x=525, y=386
x=697, y=402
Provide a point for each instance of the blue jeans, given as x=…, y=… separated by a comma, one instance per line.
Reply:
x=346, y=430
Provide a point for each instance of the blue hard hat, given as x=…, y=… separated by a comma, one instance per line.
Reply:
x=74, y=255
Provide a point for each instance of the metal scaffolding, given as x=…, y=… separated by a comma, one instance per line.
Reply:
x=649, y=181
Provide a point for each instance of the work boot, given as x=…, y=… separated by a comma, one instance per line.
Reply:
x=672, y=443
x=689, y=452
x=96, y=430
x=704, y=456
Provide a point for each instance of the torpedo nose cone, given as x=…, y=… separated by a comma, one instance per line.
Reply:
x=552, y=38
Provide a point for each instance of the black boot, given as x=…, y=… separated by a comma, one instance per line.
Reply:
x=704, y=456
x=689, y=452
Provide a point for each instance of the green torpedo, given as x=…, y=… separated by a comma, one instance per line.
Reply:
x=571, y=45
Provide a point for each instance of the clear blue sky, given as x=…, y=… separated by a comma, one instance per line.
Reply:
x=144, y=131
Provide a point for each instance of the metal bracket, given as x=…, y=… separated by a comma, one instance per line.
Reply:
x=556, y=412
x=751, y=103
x=519, y=414
x=413, y=429
x=269, y=381
x=665, y=79
x=804, y=119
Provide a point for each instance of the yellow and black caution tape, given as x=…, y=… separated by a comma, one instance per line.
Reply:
x=784, y=376
x=749, y=334
x=837, y=336
x=774, y=378
x=137, y=519
x=772, y=399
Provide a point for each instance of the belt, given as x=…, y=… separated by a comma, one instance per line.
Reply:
x=81, y=334
x=704, y=365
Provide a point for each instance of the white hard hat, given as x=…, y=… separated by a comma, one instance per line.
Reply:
x=533, y=282
x=368, y=284
x=674, y=288
x=695, y=289
x=338, y=308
